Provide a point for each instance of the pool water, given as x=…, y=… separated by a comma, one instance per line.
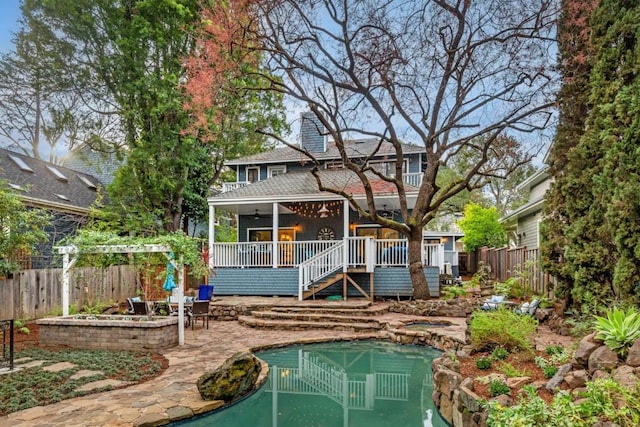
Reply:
x=356, y=384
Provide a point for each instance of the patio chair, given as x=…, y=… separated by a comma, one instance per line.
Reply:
x=493, y=303
x=200, y=309
x=528, y=307
x=130, y=302
x=140, y=308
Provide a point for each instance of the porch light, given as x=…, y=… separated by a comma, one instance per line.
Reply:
x=323, y=211
x=256, y=215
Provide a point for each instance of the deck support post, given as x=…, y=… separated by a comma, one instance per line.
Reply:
x=274, y=234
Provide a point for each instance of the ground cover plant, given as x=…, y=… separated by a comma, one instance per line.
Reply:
x=604, y=401
x=34, y=386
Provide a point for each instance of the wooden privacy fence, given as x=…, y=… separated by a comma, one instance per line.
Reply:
x=506, y=262
x=36, y=293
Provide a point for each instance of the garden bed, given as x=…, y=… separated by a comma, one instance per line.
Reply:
x=138, y=333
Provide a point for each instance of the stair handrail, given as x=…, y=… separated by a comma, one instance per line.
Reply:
x=319, y=266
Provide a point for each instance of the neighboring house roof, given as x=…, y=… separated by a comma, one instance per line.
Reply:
x=302, y=185
x=354, y=149
x=97, y=163
x=45, y=185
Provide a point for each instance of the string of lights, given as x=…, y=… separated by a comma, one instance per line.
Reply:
x=328, y=209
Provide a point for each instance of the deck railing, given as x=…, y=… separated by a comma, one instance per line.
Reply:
x=413, y=179
x=319, y=266
x=360, y=252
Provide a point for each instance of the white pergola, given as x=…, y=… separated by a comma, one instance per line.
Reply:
x=70, y=256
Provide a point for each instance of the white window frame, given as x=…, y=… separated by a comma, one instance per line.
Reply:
x=390, y=168
x=280, y=169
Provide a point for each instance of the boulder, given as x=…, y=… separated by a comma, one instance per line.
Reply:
x=586, y=346
x=446, y=380
x=602, y=358
x=558, y=378
x=599, y=375
x=633, y=358
x=625, y=376
x=234, y=379
x=576, y=379
x=469, y=399
x=503, y=400
x=518, y=382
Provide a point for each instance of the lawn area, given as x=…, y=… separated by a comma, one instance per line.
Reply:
x=35, y=386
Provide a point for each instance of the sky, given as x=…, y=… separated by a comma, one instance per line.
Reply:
x=9, y=15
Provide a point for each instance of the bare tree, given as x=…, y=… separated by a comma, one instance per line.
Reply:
x=451, y=75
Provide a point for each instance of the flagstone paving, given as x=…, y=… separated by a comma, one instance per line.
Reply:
x=173, y=395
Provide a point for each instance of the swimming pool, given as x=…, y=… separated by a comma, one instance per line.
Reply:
x=354, y=384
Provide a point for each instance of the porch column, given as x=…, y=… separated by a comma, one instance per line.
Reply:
x=274, y=234
x=212, y=233
x=345, y=218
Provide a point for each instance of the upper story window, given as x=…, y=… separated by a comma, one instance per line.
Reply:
x=334, y=165
x=387, y=167
x=276, y=170
x=253, y=174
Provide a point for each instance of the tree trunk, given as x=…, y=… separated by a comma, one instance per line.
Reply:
x=416, y=271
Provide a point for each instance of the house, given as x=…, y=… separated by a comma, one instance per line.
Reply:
x=296, y=240
x=102, y=165
x=523, y=224
x=65, y=193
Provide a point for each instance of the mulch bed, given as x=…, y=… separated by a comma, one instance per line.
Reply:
x=521, y=362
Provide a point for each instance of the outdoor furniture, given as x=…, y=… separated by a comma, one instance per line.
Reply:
x=140, y=308
x=130, y=302
x=528, y=308
x=493, y=303
x=200, y=309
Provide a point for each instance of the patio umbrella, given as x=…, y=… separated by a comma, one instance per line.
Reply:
x=169, y=284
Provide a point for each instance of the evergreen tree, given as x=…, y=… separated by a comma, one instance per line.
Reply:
x=599, y=184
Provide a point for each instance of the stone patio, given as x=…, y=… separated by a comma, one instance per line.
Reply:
x=173, y=395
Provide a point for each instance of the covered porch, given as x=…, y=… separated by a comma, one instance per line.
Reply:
x=305, y=238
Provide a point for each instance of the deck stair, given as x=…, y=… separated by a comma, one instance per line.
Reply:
x=321, y=285
x=357, y=319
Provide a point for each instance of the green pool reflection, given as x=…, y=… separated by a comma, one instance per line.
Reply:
x=357, y=384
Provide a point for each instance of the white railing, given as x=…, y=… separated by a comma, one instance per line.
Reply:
x=414, y=179
x=392, y=386
x=391, y=252
x=258, y=254
x=313, y=255
x=433, y=255
x=230, y=186
x=319, y=266
x=325, y=378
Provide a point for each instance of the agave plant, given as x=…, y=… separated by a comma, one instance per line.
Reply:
x=619, y=329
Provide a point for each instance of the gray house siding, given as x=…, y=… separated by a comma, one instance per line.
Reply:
x=528, y=230
x=255, y=281
x=388, y=282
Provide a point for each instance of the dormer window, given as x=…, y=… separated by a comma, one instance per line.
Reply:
x=20, y=163
x=59, y=175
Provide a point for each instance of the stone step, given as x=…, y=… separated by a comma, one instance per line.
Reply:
x=344, y=311
x=314, y=317
x=302, y=325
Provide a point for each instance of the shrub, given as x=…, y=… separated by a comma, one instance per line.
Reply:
x=499, y=353
x=451, y=292
x=549, y=371
x=618, y=329
x=502, y=328
x=554, y=349
x=483, y=363
x=497, y=387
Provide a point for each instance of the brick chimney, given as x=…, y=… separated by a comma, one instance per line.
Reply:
x=312, y=133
